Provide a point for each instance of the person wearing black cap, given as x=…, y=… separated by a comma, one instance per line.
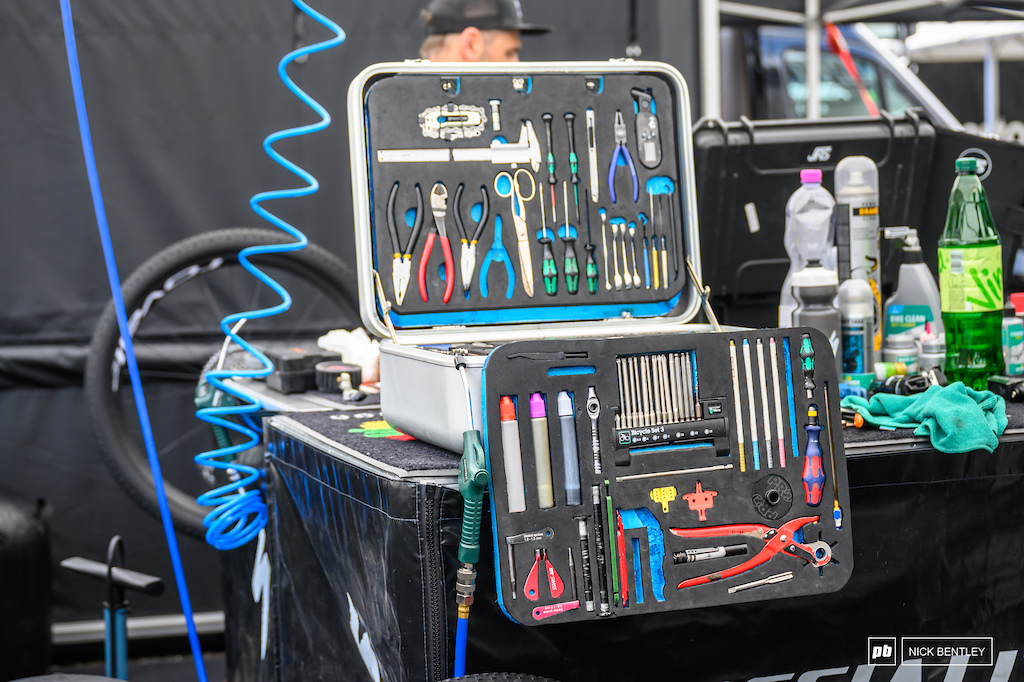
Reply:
x=474, y=30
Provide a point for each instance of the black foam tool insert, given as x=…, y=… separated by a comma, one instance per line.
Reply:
x=392, y=107
x=726, y=493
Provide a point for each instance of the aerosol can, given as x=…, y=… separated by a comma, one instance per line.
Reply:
x=857, y=187
x=916, y=301
x=808, y=235
x=857, y=312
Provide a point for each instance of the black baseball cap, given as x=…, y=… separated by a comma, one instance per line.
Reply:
x=454, y=16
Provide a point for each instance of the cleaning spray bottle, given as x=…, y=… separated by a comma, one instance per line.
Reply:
x=857, y=187
x=808, y=235
x=916, y=299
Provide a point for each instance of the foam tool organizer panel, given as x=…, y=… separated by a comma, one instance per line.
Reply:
x=494, y=196
x=664, y=472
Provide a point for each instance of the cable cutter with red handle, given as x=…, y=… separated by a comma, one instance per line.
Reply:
x=788, y=539
x=439, y=207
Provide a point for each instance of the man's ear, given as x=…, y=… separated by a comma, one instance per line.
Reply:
x=471, y=44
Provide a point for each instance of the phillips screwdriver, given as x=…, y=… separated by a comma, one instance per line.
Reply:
x=591, y=260
x=570, y=265
x=574, y=163
x=551, y=163
x=807, y=364
x=813, y=476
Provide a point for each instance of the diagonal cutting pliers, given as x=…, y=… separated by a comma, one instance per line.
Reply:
x=400, y=270
x=467, y=259
x=623, y=151
x=786, y=539
x=439, y=207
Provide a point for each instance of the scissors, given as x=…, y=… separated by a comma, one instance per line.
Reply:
x=498, y=253
x=515, y=194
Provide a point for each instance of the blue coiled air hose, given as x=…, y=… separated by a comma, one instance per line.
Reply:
x=239, y=509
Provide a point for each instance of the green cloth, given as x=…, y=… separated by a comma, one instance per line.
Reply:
x=956, y=417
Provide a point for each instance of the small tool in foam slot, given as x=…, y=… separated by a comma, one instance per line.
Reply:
x=786, y=539
x=531, y=588
x=764, y=402
x=664, y=495
x=701, y=500
x=673, y=472
x=599, y=547
x=774, y=352
x=588, y=584
x=648, y=134
x=510, y=186
x=467, y=257
x=750, y=404
x=519, y=539
x=555, y=584
x=739, y=409
x=401, y=268
x=644, y=519
x=542, y=612
x=594, y=412
x=689, y=556
x=837, y=512
x=772, y=497
x=770, y=580
x=570, y=454
x=620, y=545
x=439, y=208
x=541, y=450
x=813, y=475
x=512, y=456
x=452, y=121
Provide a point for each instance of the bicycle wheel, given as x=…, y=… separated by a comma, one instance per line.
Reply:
x=175, y=302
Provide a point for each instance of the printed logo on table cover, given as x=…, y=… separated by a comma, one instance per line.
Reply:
x=380, y=429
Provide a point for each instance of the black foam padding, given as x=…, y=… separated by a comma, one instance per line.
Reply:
x=734, y=488
x=392, y=105
x=367, y=433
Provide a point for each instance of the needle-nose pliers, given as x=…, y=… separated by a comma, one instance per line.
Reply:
x=402, y=265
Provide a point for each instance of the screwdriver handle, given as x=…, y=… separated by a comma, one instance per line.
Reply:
x=591, y=269
x=807, y=363
x=813, y=474
x=548, y=269
x=571, y=267
x=573, y=160
x=647, y=266
x=551, y=150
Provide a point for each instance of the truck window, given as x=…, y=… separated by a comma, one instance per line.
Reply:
x=838, y=92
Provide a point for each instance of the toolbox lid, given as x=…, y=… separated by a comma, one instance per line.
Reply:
x=384, y=103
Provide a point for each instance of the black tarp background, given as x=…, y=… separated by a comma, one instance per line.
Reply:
x=180, y=96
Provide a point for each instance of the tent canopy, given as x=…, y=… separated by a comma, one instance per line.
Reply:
x=847, y=11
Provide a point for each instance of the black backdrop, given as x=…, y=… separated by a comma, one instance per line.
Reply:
x=181, y=95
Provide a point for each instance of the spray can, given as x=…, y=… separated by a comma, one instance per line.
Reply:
x=1013, y=341
x=915, y=305
x=933, y=353
x=857, y=187
x=856, y=312
x=808, y=235
x=815, y=288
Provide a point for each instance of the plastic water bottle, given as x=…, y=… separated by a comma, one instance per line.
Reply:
x=971, y=282
x=857, y=187
x=808, y=234
x=815, y=288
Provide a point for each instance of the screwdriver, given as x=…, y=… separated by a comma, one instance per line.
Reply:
x=551, y=164
x=574, y=163
x=571, y=267
x=548, y=267
x=813, y=476
x=591, y=260
x=807, y=364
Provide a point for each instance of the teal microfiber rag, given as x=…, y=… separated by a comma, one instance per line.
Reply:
x=956, y=417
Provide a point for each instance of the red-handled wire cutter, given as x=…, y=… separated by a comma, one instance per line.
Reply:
x=788, y=539
x=439, y=207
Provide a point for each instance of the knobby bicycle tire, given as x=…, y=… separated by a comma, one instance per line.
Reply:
x=163, y=299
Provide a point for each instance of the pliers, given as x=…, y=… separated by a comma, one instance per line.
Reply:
x=787, y=539
x=622, y=150
x=467, y=260
x=400, y=270
x=439, y=207
x=499, y=253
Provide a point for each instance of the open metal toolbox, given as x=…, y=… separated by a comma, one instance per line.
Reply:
x=430, y=157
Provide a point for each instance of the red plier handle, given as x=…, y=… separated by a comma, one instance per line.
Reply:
x=776, y=540
x=449, y=266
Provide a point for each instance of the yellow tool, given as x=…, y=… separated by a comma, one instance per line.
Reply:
x=663, y=496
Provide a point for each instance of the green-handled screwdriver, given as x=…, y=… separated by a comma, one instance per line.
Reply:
x=591, y=260
x=807, y=364
x=548, y=268
x=572, y=269
x=574, y=163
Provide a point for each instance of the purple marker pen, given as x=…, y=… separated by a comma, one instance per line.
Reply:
x=541, y=451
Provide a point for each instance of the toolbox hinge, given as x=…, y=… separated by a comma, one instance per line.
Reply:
x=385, y=307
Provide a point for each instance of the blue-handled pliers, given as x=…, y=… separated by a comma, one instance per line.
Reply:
x=621, y=149
x=497, y=252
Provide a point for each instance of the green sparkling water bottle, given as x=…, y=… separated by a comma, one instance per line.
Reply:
x=971, y=282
